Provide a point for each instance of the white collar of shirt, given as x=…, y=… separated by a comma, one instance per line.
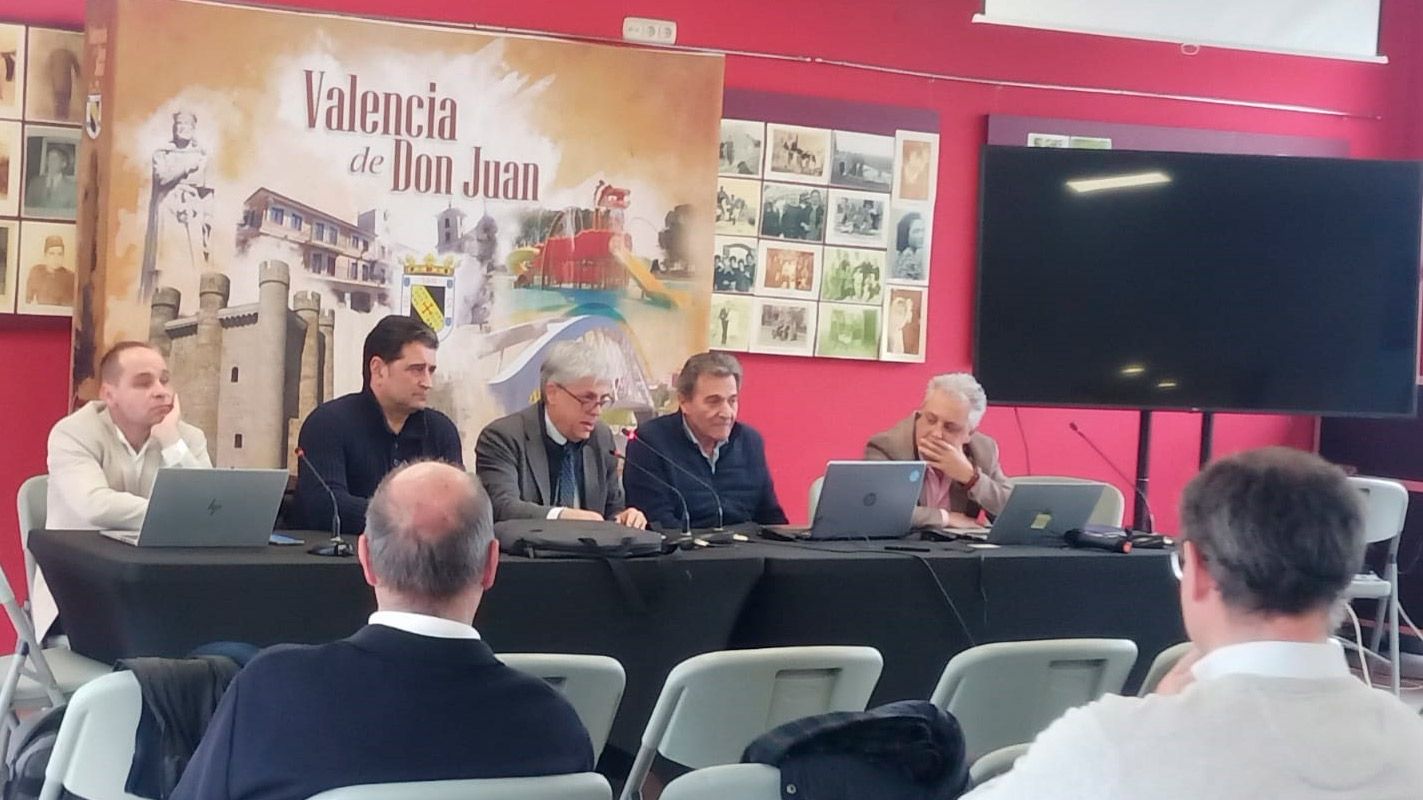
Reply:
x=424, y=625
x=1303, y=660
x=716, y=449
x=136, y=455
x=553, y=432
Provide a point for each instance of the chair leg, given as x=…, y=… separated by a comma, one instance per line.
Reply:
x=641, y=765
x=1393, y=650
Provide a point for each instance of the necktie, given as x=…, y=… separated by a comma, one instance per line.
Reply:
x=565, y=494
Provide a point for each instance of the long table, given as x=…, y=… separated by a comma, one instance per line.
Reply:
x=917, y=607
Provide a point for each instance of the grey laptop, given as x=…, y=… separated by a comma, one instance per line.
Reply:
x=209, y=508
x=867, y=499
x=1040, y=513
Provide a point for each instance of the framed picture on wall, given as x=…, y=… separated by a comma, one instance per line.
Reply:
x=46, y=269
x=9, y=258
x=916, y=173
x=51, y=188
x=905, y=314
x=11, y=161
x=738, y=206
x=743, y=143
x=852, y=275
x=800, y=155
x=794, y=212
x=54, y=92
x=857, y=219
x=734, y=265
x=12, y=70
x=909, y=245
x=862, y=161
x=848, y=331
x=786, y=327
x=789, y=269
x=731, y=322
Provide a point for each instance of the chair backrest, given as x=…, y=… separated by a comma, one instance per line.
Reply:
x=727, y=782
x=991, y=765
x=94, y=750
x=1162, y=664
x=1385, y=507
x=1007, y=692
x=714, y=704
x=579, y=786
x=815, y=487
x=593, y=685
x=32, y=510
x=1108, y=511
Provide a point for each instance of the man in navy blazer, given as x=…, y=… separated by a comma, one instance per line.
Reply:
x=413, y=696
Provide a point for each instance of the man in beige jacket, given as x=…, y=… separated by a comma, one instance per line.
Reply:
x=964, y=476
x=104, y=457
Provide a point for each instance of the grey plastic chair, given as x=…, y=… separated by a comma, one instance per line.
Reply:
x=714, y=704
x=579, y=786
x=1385, y=510
x=815, y=487
x=593, y=685
x=991, y=765
x=1006, y=693
x=32, y=510
x=728, y=782
x=1108, y=511
x=94, y=750
x=1164, y=662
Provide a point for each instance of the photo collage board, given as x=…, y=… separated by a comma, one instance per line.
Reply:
x=822, y=241
x=42, y=113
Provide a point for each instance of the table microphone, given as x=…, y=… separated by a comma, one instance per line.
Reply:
x=337, y=546
x=631, y=434
x=1111, y=542
x=686, y=515
x=1150, y=517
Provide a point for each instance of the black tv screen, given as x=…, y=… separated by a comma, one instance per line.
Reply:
x=1134, y=279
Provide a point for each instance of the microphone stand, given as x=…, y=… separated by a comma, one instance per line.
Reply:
x=336, y=547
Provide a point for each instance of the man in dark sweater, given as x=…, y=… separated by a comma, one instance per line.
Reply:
x=415, y=695
x=704, y=452
x=355, y=440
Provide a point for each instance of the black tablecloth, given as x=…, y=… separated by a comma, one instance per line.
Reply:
x=119, y=601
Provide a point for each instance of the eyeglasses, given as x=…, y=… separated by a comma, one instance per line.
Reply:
x=1178, y=564
x=589, y=402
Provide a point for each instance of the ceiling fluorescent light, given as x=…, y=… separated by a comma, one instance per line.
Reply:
x=1085, y=185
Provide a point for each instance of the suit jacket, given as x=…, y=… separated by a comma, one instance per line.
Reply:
x=989, y=494
x=382, y=706
x=511, y=462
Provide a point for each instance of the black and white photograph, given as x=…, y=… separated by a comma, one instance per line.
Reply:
x=51, y=188
x=862, y=161
x=785, y=327
x=9, y=259
x=46, y=269
x=10, y=161
x=852, y=276
x=12, y=70
x=789, y=269
x=905, y=314
x=743, y=143
x=1048, y=140
x=54, y=91
x=738, y=201
x=793, y=212
x=847, y=331
x=731, y=317
x=734, y=265
x=916, y=173
x=857, y=219
x=909, y=252
x=797, y=154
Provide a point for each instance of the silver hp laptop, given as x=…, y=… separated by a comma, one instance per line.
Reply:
x=1040, y=513
x=209, y=508
x=867, y=499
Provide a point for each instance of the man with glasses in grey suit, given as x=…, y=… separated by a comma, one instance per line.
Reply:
x=553, y=460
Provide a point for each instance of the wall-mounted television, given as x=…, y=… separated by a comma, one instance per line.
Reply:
x=1131, y=279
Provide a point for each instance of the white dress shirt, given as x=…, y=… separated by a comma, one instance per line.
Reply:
x=1261, y=720
x=424, y=625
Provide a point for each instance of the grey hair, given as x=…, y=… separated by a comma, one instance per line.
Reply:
x=1281, y=530
x=431, y=565
x=966, y=386
x=711, y=362
x=569, y=361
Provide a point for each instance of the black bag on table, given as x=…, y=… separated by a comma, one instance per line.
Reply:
x=557, y=538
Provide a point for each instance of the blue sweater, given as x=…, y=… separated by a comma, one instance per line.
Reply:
x=742, y=479
x=349, y=442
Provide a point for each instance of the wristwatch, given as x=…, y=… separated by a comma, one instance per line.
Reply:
x=972, y=482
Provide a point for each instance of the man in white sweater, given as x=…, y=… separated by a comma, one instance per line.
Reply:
x=1264, y=705
x=104, y=457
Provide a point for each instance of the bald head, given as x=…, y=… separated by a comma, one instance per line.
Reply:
x=428, y=528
